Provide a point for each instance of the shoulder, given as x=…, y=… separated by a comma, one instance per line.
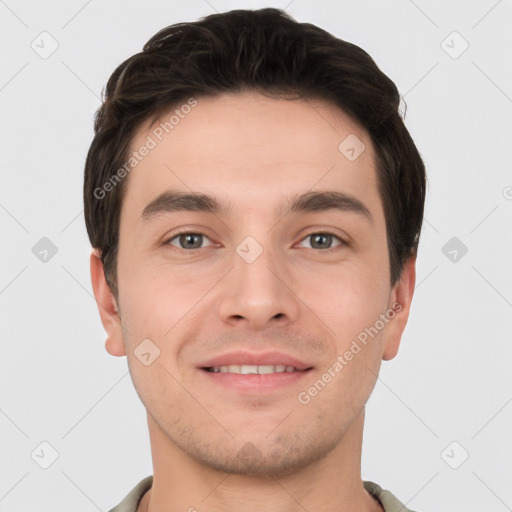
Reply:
x=389, y=502
x=131, y=501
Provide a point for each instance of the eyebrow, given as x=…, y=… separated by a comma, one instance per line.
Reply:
x=175, y=201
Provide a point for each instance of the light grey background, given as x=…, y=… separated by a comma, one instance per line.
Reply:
x=452, y=379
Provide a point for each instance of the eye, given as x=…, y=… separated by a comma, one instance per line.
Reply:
x=323, y=239
x=188, y=240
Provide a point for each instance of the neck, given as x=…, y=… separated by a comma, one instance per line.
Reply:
x=332, y=483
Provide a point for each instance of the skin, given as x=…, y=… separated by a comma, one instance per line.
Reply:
x=295, y=297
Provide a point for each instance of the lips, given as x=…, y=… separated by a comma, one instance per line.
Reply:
x=246, y=363
x=253, y=369
x=251, y=374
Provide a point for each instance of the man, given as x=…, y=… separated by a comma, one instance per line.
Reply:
x=254, y=203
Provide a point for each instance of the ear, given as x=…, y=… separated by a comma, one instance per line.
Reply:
x=400, y=301
x=107, y=307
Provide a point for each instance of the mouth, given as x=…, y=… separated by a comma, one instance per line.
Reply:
x=253, y=380
x=251, y=373
x=252, y=369
x=247, y=362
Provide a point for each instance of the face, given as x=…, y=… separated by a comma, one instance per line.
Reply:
x=251, y=285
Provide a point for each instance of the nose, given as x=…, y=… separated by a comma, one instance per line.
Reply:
x=259, y=293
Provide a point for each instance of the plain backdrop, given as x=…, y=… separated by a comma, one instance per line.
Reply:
x=438, y=427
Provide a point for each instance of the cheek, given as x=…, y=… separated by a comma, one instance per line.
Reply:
x=160, y=300
x=349, y=300
x=350, y=306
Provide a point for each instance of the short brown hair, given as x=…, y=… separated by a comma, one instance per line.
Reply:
x=266, y=51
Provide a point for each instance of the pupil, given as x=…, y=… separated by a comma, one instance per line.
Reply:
x=321, y=236
x=186, y=238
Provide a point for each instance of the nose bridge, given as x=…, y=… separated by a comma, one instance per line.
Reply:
x=256, y=288
x=257, y=263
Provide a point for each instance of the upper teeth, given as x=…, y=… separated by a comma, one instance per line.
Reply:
x=246, y=369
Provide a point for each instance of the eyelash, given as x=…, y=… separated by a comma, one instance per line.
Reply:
x=330, y=233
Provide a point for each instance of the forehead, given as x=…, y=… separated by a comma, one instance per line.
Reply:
x=251, y=147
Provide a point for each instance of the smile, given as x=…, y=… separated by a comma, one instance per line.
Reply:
x=248, y=369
